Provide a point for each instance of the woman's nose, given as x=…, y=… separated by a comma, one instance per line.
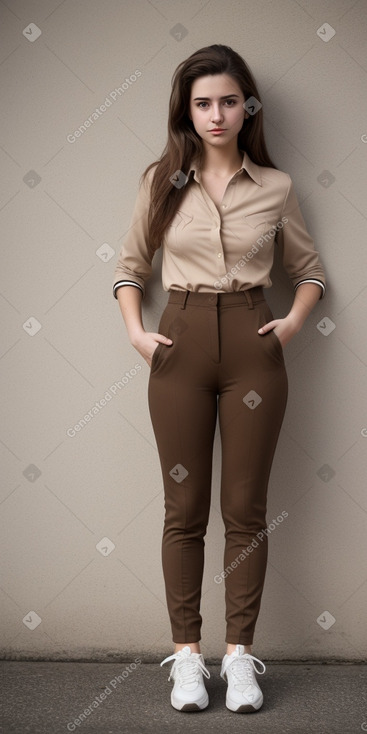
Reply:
x=216, y=114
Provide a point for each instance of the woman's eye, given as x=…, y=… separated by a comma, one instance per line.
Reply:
x=228, y=102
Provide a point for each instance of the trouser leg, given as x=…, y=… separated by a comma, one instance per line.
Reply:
x=183, y=409
x=252, y=366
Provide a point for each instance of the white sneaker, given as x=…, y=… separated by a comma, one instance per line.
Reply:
x=189, y=692
x=243, y=692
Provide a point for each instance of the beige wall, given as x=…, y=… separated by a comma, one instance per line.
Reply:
x=64, y=209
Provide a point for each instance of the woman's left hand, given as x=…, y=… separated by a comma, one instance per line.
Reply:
x=285, y=329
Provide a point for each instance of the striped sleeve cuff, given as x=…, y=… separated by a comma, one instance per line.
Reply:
x=312, y=280
x=125, y=282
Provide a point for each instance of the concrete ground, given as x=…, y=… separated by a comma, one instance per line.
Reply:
x=48, y=698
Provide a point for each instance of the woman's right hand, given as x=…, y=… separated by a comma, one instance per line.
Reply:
x=146, y=343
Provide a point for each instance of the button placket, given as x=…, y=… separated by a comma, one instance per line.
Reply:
x=228, y=195
x=215, y=237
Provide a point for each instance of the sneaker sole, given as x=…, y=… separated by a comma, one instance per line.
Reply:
x=191, y=706
x=243, y=708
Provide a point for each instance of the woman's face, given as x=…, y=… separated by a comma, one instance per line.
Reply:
x=216, y=101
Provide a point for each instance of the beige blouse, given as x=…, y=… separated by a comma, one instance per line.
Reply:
x=230, y=248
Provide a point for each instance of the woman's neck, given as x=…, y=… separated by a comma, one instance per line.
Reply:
x=221, y=162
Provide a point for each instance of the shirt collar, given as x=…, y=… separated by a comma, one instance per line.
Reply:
x=247, y=164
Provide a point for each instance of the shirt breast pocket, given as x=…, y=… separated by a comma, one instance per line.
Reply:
x=257, y=222
x=175, y=230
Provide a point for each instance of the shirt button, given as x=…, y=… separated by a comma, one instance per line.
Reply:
x=224, y=206
x=219, y=254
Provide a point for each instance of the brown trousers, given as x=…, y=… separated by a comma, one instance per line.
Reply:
x=218, y=363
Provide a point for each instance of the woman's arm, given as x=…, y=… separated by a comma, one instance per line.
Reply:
x=306, y=297
x=130, y=298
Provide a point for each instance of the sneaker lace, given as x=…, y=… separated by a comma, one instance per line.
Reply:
x=242, y=668
x=186, y=667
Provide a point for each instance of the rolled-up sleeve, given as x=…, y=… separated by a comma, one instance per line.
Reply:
x=134, y=264
x=300, y=259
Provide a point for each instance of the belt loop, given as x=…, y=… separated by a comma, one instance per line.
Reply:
x=249, y=299
x=183, y=305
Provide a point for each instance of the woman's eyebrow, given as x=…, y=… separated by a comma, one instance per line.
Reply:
x=225, y=97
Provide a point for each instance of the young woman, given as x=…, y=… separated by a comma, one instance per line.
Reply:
x=216, y=204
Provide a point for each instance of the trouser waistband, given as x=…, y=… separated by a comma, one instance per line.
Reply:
x=194, y=298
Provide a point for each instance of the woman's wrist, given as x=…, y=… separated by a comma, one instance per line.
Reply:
x=295, y=321
x=135, y=334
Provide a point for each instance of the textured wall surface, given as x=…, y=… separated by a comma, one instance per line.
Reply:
x=81, y=499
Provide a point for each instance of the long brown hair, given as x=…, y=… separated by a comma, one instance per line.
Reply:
x=183, y=143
